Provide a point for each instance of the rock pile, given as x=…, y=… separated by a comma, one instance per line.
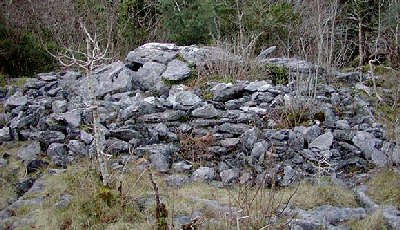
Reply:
x=145, y=110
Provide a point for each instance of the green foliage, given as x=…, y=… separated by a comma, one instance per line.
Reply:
x=3, y=80
x=189, y=22
x=22, y=54
x=279, y=74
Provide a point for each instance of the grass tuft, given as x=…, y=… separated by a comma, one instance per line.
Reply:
x=384, y=188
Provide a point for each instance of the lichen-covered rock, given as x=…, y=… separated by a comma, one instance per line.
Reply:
x=206, y=111
x=176, y=71
x=203, y=174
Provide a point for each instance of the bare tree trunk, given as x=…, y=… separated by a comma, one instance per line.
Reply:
x=361, y=41
x=332, y=39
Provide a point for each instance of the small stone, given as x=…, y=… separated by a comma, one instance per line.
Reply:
x=233, y=128
x=289, y=176
x=207, y=111
x=181, y=167
x=258, y=86
x=59, y=106
x=16, y=101
x=230, y=142
x=229, y=176
x=323, y=142
x=177, y=180
x=342, y=124
x=203, y=174
x=5, y=134
x=35, y=165
x=29, y=153
x=160, y=162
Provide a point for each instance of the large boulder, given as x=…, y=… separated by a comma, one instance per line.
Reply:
x=111, y=78
x=176, y=70
x=367, y=142
x=152, y=52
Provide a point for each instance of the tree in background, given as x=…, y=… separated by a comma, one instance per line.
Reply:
x=189, y=22
x=21, y=54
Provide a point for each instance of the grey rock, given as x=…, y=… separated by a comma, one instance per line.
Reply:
x=229, y=176
x=3, y=162
x=342, y=124
x=48, y=137
x=249, y=138
x=366, y=142
x=217, y=150
x=254, y=110
x=265, y=97
x=260, y=86
x=64, y=201
x=47, y=76
x=181, y=167
x=292, y=64
x=330, y=118
x=125, y=133
x=59, y=106
x=29, y=153
x=199, y=55
x=165, y=149
x=56, y=151
x=86, y=137
x=203, y=174
x=226, y=91
x=116, y=146
x=5, y=134
x=72, y=118
x=160, y=162
x=258, y=152
x=112, y=78
x=148, y=78
x=230, y=142
x=326, y=214
x=364, y=200
x=323, y=142
x=350, y=77
x=152, y=52
x=77, y=148
x=161, y=129
x=289, y=176
x=24, y=186
x=35, y=165
x=169, y=115
x=296, y=140
x=176, y=70
x=16, y=101
x=266, y=53
x=395, y=155
x=237, y=129
x=391, y=215
x=206, y=111
x=235, y=103
x=177, y=180
x=185, y=98
x=344, y=135
x=22, y=121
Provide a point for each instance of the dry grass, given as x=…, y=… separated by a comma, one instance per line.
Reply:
x=374, y=221
x=298, y=111
x=10, y=173
x=97, y=207
x=384, y=188
x=310, y=196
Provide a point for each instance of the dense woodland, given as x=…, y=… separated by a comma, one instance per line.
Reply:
x=332, y=33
